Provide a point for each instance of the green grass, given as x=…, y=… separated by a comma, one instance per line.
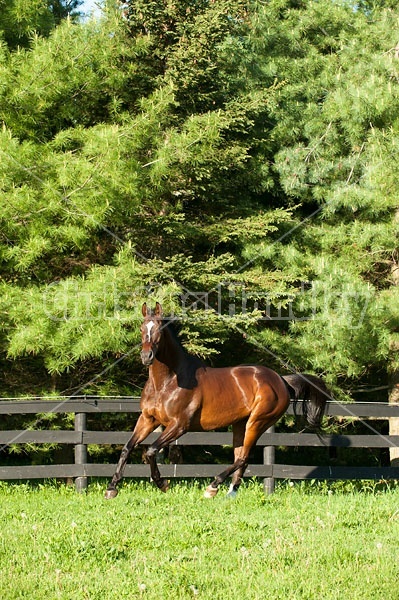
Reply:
x=304, y=542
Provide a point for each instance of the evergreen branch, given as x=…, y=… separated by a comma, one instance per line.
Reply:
x=354, y=164
x=319, y=141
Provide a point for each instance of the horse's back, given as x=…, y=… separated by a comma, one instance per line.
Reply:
x=242, y=377
x=230, y=394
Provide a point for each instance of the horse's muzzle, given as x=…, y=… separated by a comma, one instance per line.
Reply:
x=147, y=357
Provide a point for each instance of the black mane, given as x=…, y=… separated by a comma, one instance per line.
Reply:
x=187, y=364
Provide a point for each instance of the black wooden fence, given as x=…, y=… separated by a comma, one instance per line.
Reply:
x=269, y=471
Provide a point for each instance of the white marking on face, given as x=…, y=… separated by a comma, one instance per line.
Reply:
x=150, y=325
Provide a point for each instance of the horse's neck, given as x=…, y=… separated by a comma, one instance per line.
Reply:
x=159, y=373
x=173, y=361
x=171, y=354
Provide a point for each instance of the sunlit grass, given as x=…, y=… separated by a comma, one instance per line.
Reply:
x=305, y=541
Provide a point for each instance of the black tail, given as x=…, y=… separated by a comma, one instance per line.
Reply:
x=314, y=394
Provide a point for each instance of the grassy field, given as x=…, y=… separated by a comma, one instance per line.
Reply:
x=303, y=542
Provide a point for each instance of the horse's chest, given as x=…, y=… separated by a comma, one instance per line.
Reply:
x=165, y=390
x=164, y=402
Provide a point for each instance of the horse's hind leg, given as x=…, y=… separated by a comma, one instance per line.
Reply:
x=255, y=426
x=237, y=468
x=213, y=488
x=236, y=478
x=238, y=440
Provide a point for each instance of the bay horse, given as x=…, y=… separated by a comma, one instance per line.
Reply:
x=183, y=394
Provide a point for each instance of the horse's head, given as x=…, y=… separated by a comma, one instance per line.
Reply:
x=151, y=331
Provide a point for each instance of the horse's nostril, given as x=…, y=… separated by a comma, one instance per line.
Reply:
x=147, y=357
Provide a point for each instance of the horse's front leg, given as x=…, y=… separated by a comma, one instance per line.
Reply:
x=144, y=426
x=173, y=431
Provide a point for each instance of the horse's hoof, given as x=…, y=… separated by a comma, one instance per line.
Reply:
x=164, y=486
x=232, y=493
x=210, y=492
x=109, y=494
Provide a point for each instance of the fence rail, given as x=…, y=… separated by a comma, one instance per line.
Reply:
x=81, y=437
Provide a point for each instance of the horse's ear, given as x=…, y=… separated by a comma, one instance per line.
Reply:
x=144, y=309
x=158, y=310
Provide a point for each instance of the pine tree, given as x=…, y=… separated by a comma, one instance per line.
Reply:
x=21, y=20
x=238, y=149
x=114, y=188
x=337, y=139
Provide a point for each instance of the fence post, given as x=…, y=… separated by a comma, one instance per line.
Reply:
x=80, y=451
x=268, y=459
